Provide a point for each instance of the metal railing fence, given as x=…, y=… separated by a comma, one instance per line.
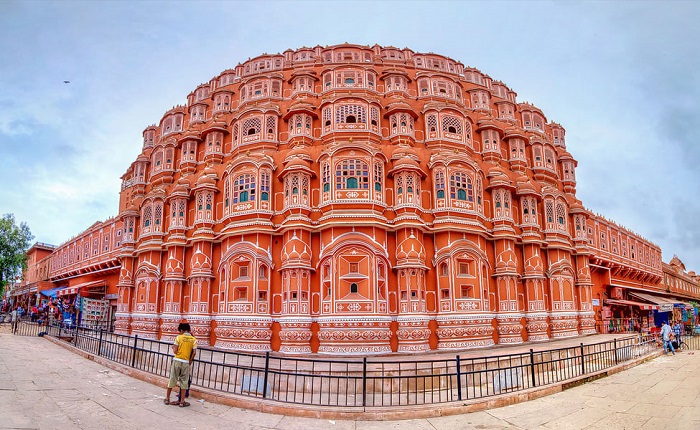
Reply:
x=360, y=383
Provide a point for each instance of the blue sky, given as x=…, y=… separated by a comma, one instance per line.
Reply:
x=621, y=77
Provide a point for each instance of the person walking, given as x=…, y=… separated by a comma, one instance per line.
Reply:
x=666, y=337
x=15, y=316
x=185, y=349
x=678, y=331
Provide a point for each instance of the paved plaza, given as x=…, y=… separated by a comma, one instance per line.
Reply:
x=45, y=386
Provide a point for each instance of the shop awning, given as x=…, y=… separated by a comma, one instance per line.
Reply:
x=666, y=304
x=642, y=306
x=50, y=292
x=685, y=305
x=70, y=291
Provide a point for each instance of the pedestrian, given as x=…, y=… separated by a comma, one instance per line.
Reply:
x=15, y=315
x=666, y=337
x=185, y=349
x=678, y=331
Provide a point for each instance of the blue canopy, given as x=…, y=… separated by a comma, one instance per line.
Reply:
x=51, y=292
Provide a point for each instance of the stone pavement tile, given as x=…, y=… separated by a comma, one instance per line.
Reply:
x=607, y=404
x=680, y=397
x=656, y=423
x=536, y=412
x=579, y=419
x=662, y=389
x=249, y=417
x=476, y=420
x=652, y=408
x=13, y=420
x=688, y=414
x=297, y=423
x=619, y=421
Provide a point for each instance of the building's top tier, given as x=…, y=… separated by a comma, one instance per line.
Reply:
x=392, y=79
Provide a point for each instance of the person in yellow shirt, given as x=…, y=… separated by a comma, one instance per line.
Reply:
x=185, y=349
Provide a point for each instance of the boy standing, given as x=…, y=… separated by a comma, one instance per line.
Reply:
x=185, y=349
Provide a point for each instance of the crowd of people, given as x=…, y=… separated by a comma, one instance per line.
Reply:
x=49, y=311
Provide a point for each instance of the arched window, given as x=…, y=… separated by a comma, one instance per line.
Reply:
x=461, y=187
x=352, y=174
x=378, y=176
x=351, y=114
x=265, y=186
x=453, y=125
x=561, y=216
x=440, y=184
x=326, y=168
x=244, y=188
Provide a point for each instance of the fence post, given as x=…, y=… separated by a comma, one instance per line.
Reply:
x=459, y=379
x=99, y=344
x=267, y=369
x=583, y=361
x=133, y=357
x=532, y=367
x=364, y=381
x=615, y=347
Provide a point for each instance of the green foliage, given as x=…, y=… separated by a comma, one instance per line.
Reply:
x=14, y=243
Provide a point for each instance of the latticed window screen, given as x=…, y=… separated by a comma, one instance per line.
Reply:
x=200, y=202
x=378, y=176
x=265, y=185
x=549, y=211
x=234, y=134
x=374, y=115
x=326, y=176
x=440, y=184
x=350, y=114
x=252, y=126
x=147, y=215
x=451, y=124
x=227, y=194
x=352, y=174
x=561, y=216
x=158, y=215
x=431, y=121
x=461, y=187
x=271, y=124
x=244, y=188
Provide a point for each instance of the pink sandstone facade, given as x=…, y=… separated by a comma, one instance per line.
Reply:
x=357, y=200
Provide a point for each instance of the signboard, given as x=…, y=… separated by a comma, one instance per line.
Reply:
x=595, y=302
x=666, y=307
x=111, y=296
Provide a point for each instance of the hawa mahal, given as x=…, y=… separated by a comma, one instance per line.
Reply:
x=357, y=200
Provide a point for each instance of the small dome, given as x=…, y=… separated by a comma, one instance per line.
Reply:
x=533, y=265
x=299, y=151
x=406, y=162
x=298, y=162
x=296, y=250
x=525, y=186
x=507, y=261
x=410, y=250
x=404, y=151
x=200, y=262
x=174, y=267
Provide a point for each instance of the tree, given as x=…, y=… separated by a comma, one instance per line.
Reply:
x=14, y=243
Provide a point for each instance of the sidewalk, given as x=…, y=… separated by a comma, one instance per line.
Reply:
x=44, y=386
